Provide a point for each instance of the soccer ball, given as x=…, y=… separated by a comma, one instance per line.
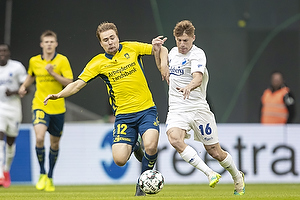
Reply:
x=151, y=181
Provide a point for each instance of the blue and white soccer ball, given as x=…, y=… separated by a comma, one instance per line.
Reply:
x=151, y=181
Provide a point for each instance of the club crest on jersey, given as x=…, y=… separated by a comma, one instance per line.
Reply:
x=185, y=60
x=127, y=55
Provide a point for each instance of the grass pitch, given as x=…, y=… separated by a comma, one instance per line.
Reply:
x=174, y=192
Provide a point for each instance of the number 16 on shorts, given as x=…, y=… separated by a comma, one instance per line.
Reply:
x=205, y=129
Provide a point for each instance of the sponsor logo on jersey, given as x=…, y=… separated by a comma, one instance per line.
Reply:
x=4, y=82
x=176, y=71
x=121, y=69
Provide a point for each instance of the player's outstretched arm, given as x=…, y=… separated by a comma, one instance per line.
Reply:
x=164, y=65
x=161, y=56
x=157, y=43
x=69, y=90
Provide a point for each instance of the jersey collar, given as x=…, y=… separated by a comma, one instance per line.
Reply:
x=55, y=54
x=109, y=56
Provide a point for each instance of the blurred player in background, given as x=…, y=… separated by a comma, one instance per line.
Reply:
x=52, y=72
x=121, y=69
x=277, y=105
x=188, y=108
x=12, y=75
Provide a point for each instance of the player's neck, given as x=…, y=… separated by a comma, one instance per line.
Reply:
x=48, y=56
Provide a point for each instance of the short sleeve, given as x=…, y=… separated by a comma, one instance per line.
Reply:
x=66, y=70
x=198, y=61
x=30, y=67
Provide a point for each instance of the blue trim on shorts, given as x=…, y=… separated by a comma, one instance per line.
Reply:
x=128, y=126
x=55, y=123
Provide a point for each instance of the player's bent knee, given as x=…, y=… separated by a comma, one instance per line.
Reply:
x=120, y=163
x=151, y=150
x=40, y=141
x=120, y=160
x=150, y=147
x=121, y=153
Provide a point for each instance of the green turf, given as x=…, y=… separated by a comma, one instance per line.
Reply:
x=174, y=192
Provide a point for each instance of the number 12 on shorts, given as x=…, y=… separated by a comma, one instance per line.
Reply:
x=205, y=130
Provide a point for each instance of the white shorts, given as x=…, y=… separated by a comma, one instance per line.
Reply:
x=9, y=126
x=203, y=124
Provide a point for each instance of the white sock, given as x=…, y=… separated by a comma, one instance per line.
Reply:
x=191, y=156
x=229, y=165
x=10, y=154
x=2, y=144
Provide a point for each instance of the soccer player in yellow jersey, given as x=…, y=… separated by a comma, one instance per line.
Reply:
x=52, y=72
x=121, y=69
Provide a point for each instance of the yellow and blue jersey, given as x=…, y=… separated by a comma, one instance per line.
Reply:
x=47, y=84
x=124, y=76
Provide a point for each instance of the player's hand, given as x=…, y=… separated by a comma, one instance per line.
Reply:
x=22, y=91
x=9, y=93
x=49, y=68
x=185, y=92
x=158, y=42
x=50, y=96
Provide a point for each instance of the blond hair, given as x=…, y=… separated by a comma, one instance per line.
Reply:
x=48, y=33
x=105, y=26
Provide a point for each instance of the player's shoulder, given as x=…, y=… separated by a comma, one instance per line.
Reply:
x=15, y=62
x=97, y=60
x=134, y=44
x=16, y=66
x=125, y=43
x=98, y=57
x=36, y=57
x=197, y=50
x=173, y=51
x=61, y=56
x=130, y=43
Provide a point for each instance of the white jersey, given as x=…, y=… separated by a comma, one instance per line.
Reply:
x=11, y=76
x=194, y=112
x=182, y=66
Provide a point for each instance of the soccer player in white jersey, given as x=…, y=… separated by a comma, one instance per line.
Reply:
x=12, y=74
x=188, y=108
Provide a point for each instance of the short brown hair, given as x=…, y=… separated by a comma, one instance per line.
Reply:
x=105, y=26
x=48, y=33
x=182, y=27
